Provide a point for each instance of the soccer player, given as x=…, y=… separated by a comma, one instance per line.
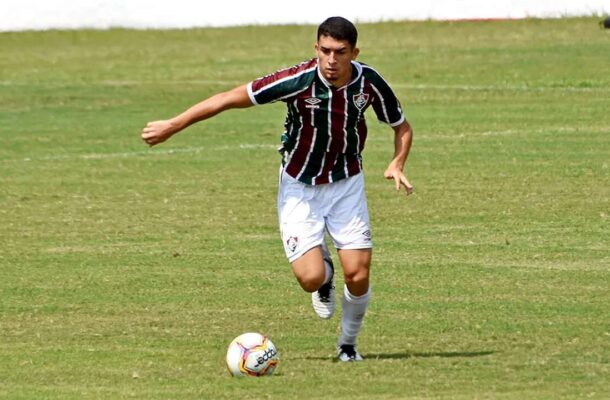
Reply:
x=321, y=185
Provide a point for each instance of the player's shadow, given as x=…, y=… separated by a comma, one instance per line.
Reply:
x=407, y=354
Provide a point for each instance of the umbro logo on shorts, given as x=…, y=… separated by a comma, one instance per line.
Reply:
x=367, y=234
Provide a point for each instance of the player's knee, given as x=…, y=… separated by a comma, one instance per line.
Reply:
x=357, y=276
x=310, y=282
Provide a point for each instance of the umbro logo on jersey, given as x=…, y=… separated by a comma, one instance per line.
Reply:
x=312, y=102
x=360, y=100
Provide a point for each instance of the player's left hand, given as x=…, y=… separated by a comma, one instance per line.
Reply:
x=399, y=179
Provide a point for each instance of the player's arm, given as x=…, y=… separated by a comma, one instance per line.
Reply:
x=156, y=132
x=403, y=136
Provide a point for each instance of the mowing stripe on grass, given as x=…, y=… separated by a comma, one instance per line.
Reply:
x=256, y=146
x=420, y=86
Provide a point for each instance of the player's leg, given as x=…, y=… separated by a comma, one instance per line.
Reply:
x=309, y=269
x=302, y=228
x=356, y=296
x=349, y=226
x=315, y=272
x=356, y=269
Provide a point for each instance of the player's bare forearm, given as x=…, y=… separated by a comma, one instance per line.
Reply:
x=156, y=132
x=236, y=98
x=403, y=137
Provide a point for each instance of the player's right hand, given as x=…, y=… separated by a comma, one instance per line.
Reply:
x=156, y=132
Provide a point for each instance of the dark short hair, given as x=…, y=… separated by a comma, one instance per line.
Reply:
x=339, y=28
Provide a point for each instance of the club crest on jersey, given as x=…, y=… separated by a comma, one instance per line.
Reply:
x=360, y=100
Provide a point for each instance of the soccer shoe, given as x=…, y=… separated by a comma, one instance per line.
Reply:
x=323, y=300
x=347, y=353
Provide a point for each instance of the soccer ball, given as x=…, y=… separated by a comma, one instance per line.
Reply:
x=252, y=354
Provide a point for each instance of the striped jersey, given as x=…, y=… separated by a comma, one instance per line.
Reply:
x=325, y=129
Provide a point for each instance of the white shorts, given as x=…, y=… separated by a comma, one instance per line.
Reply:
x=306, y=211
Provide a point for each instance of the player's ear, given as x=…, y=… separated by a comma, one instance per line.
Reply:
x=355, y=53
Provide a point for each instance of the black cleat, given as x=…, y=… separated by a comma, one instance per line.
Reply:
x=347, y=353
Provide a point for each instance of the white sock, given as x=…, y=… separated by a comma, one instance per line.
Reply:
x=354, y=308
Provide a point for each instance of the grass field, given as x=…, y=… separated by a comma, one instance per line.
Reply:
x=126, y=271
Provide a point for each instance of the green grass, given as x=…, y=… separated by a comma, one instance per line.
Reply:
x=126, y=271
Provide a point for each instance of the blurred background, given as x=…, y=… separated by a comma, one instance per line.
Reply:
x=72, y=14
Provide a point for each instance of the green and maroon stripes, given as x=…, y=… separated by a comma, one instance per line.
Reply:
x=387, y=107
x=282, y=84
x=325, y=129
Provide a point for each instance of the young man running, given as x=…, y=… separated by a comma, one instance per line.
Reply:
x=321, y=182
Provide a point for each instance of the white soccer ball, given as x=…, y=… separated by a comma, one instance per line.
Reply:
x=252, y=354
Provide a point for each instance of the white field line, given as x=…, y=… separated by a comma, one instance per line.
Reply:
x=500, y=88
x=143, y=153
x=463, y=135
x=422, y=86
x=253, y=146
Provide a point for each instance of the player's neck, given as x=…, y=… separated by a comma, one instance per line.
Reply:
x=346, y=80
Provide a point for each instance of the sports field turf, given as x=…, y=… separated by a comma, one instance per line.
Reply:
x=126, y=271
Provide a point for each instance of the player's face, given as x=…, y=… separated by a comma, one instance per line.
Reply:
x=335, y=59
